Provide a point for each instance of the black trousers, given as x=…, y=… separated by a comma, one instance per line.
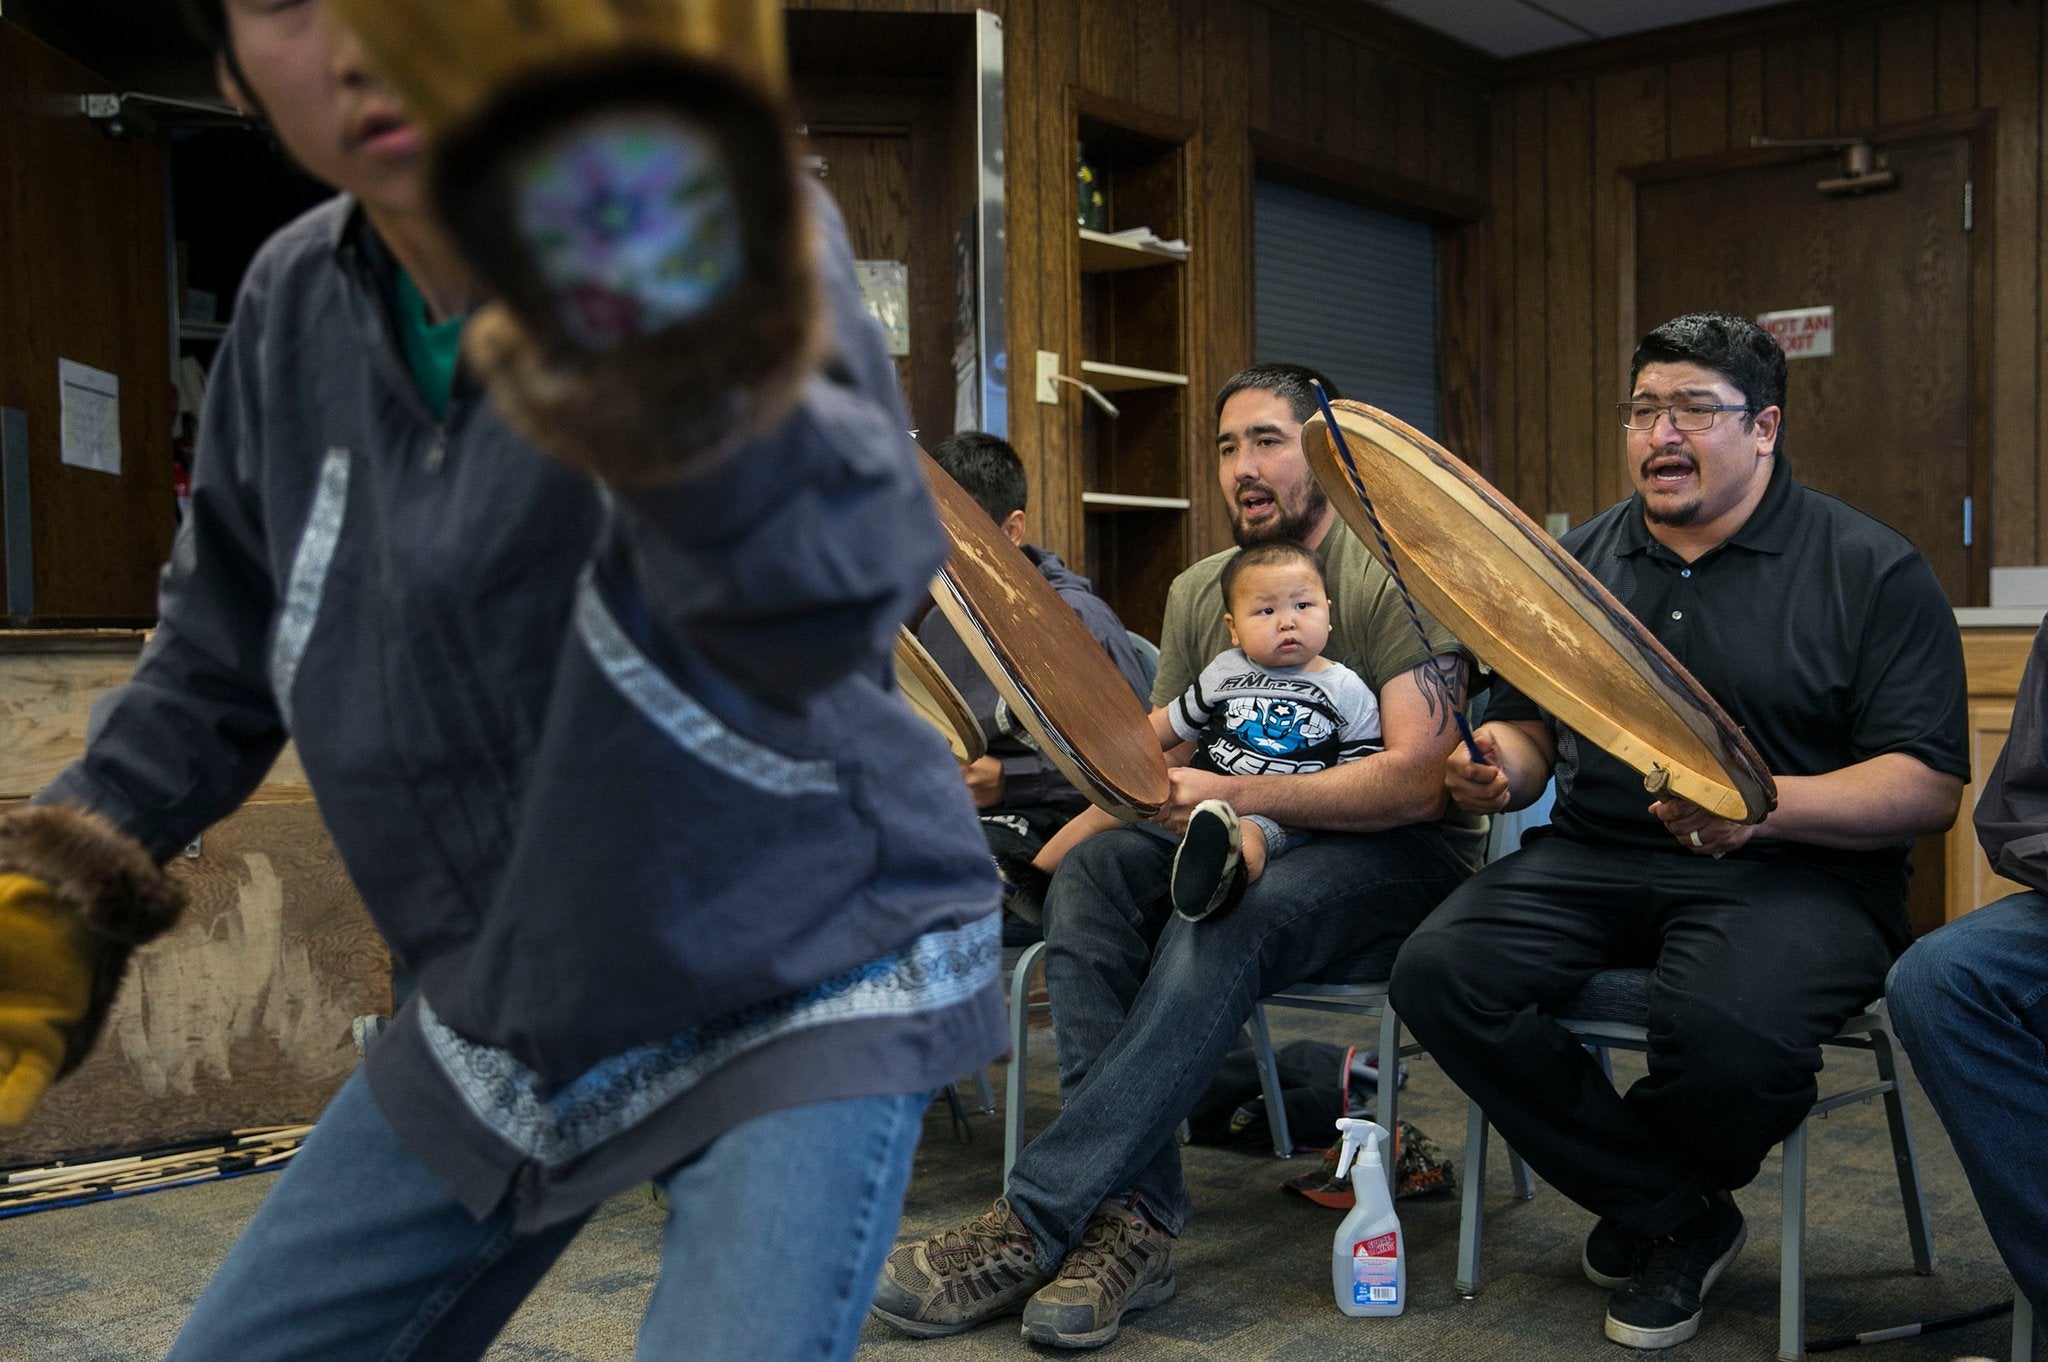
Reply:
x=1023, y=830
x=1754, y=964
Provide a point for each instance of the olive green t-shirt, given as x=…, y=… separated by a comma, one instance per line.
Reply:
x=1370, y=632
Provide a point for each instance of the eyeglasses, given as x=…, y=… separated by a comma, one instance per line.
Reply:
x=1684, y=415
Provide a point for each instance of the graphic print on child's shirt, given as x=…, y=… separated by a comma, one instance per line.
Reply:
x=1248, y=720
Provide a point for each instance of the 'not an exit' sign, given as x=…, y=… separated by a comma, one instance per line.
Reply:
x=1802, y=332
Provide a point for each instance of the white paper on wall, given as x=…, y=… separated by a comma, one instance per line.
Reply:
x=91, y=416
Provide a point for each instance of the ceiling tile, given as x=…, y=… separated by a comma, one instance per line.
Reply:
x=1516, y=28
x=1611, y=18
x=1505, y=28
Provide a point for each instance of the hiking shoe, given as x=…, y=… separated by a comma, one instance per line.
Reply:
x=1123, y=1264
x=974, y=1271
x=1661, y=1304
x=1024, y=885
x=1208, y=868
x=1611, y=1255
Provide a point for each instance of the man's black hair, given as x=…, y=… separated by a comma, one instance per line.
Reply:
x=1290, y=381
x=987, y=468
x=1734, y=347
x=1270, y=554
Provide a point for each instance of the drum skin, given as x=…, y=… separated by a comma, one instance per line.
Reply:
x=1042, y=660
x=1533, y=613
x=936, y=699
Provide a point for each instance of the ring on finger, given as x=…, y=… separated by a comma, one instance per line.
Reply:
x=1694, y=838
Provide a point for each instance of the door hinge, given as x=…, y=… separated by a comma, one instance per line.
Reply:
x=1969, y=526
x=1969, y=204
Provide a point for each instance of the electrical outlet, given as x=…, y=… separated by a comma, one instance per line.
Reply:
x=1048, y=390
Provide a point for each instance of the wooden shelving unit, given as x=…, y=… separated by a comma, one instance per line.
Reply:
x=1102, y=253
x=1122, y=501
x=1132, y=305
x=1114, y=378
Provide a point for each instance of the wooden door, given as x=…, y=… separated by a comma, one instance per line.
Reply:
x=83, y=278
x=867, y=171
x=1883, y=422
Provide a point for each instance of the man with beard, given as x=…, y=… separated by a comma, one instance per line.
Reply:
x=1146, y=1003
x=1826, y=637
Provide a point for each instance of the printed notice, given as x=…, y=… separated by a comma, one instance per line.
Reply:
x=91, y=416
x=1802, y=332
x=885, y=289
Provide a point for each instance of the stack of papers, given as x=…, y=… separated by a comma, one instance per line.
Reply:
x=1150, y=240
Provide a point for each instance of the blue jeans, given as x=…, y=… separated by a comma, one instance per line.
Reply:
x=359, y=1255
x=1970, y=1003
x=1145, y=1004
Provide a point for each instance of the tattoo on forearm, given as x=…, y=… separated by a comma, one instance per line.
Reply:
x=1442, y=683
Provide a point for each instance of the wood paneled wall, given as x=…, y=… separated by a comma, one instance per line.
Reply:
x=1367, y=101
x=83, y=277
x=1347, y=97
x=1562, y=276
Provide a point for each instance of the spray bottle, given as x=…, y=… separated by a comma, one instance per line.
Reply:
x=1369, y=1259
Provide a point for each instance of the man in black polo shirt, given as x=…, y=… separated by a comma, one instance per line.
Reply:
x=1825, y=635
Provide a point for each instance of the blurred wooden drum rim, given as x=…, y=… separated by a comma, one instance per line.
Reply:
x=1042, y=660
x=1533, y=613
x=936, y=700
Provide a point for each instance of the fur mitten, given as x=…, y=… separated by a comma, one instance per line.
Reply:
x=622, y=175
x=76, y=897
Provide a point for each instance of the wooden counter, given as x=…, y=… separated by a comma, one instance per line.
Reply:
x=240, y=1015
x=1994, y=656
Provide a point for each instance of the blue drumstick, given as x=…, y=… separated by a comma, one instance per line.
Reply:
x=1465, y=732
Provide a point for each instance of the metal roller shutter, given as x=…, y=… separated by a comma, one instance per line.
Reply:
x=1351, y=292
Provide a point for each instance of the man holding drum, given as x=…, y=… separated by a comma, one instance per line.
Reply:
x=1021, y=796
x=1146, y=1003
x=1826, y=637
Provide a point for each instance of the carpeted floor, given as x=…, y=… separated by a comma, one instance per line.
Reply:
x=111, y=1282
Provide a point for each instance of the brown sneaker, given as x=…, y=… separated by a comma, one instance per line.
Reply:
x=1123, y=1264
x=961, y=1276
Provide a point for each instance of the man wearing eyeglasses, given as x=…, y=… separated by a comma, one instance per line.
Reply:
x=1827, y=638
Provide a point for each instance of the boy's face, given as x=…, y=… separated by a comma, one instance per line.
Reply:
x=309, y=76
x=1279, y=614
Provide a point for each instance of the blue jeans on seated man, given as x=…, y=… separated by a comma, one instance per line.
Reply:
x=359, y=1255
x=1970, y=1004
x=1145, y=1004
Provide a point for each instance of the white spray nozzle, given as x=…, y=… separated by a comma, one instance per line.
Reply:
x=1359, y=1137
